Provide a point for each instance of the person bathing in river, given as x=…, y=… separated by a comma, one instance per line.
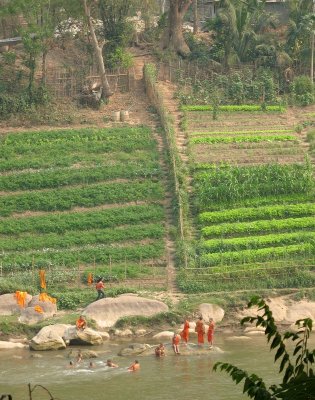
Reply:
x=200, y=330
x=134, y=366
x=81, y=323
x=175, y=343
x=160, y=350
x=79, y=357
x=100, y=289
x=109, y=363
x=185, y=332
x=211, y=332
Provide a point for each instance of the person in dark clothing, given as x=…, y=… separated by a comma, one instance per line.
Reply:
x=100, y=289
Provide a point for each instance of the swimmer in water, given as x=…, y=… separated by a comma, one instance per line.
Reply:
x=109, y=363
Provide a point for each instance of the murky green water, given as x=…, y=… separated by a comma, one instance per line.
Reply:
x=173, y=377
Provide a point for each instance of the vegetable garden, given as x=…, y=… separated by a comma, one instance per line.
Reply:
x=252, y=200
x=82, y=200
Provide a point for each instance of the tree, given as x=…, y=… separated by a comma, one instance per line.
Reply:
x=116, y=28
x=240, y=26
x=298, y=382
x=173, y=38
x=98, y=49
x=301, y=31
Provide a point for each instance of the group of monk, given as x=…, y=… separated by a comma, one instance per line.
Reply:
x=200, y=329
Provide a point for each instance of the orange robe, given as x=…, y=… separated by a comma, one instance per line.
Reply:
x=185, y=332
x=90, y=279
x=81, y=323
x=42, y=279
x=200, y=329
x=211, y=331
x=21, y=298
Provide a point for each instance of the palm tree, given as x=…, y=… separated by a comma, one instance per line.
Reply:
x=300, y=29
x=240, y=26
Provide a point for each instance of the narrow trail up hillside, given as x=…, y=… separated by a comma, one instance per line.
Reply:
x=139, y=92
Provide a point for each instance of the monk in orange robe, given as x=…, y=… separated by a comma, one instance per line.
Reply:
x=185, y=332
x=211, y=332
x=200, y=329
x=81, y=323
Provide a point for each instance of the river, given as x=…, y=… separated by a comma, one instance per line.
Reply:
x=174, y=377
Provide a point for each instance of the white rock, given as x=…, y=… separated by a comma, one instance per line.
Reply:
x=9, y=345
x=106, y=312
x=9, y=305
x=163, y=335
x=123, y=333
x=208, y=311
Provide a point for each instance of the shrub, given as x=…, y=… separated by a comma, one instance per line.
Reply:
x=302, y=89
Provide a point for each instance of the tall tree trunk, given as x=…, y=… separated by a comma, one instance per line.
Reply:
x=173, y=37
x=196, y=20
x=98, y=47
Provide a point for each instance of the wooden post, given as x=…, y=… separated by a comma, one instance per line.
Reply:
x=33, y=262
x=94, y=268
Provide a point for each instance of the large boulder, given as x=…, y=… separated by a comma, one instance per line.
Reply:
x=134, y=349
x=9, y=305
x=78, y=337
x=165, y=335
x=208, y=311
x=30, y=316
x=284, y=310
x=50, y=338
x=106, y=312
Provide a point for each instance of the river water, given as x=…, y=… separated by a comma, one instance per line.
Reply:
x=182, y=377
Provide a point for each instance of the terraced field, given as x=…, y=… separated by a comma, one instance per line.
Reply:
x=80, y=201
x=253, y=201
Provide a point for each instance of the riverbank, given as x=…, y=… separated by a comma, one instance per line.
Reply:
x=287, y=305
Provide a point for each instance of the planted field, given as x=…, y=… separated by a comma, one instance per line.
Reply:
x=87, y=199
x=253, y=201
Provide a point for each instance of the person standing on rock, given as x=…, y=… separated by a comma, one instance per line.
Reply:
x=99, y=287
x=185, y=332
x=200, y=330
x=211, y=332
x=175, y=343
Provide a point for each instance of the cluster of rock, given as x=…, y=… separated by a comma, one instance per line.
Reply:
x=106, y=312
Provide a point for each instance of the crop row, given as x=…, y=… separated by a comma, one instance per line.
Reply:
x=251, y=132
x=234, y=108
x=257, y=255
x=66, y=159
x=73, y=135
x=81, y=238
x=111, y=144
x=255, y=242
x=280, y=225
x=264, y=212
x=231, y=184
x=75, y=221
x=91, y=196
x=243, y=138
x=88, y=255
x=63, y=177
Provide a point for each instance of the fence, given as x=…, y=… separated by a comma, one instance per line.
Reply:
x=141, y=274
x=193, y=71
x=62, y=82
